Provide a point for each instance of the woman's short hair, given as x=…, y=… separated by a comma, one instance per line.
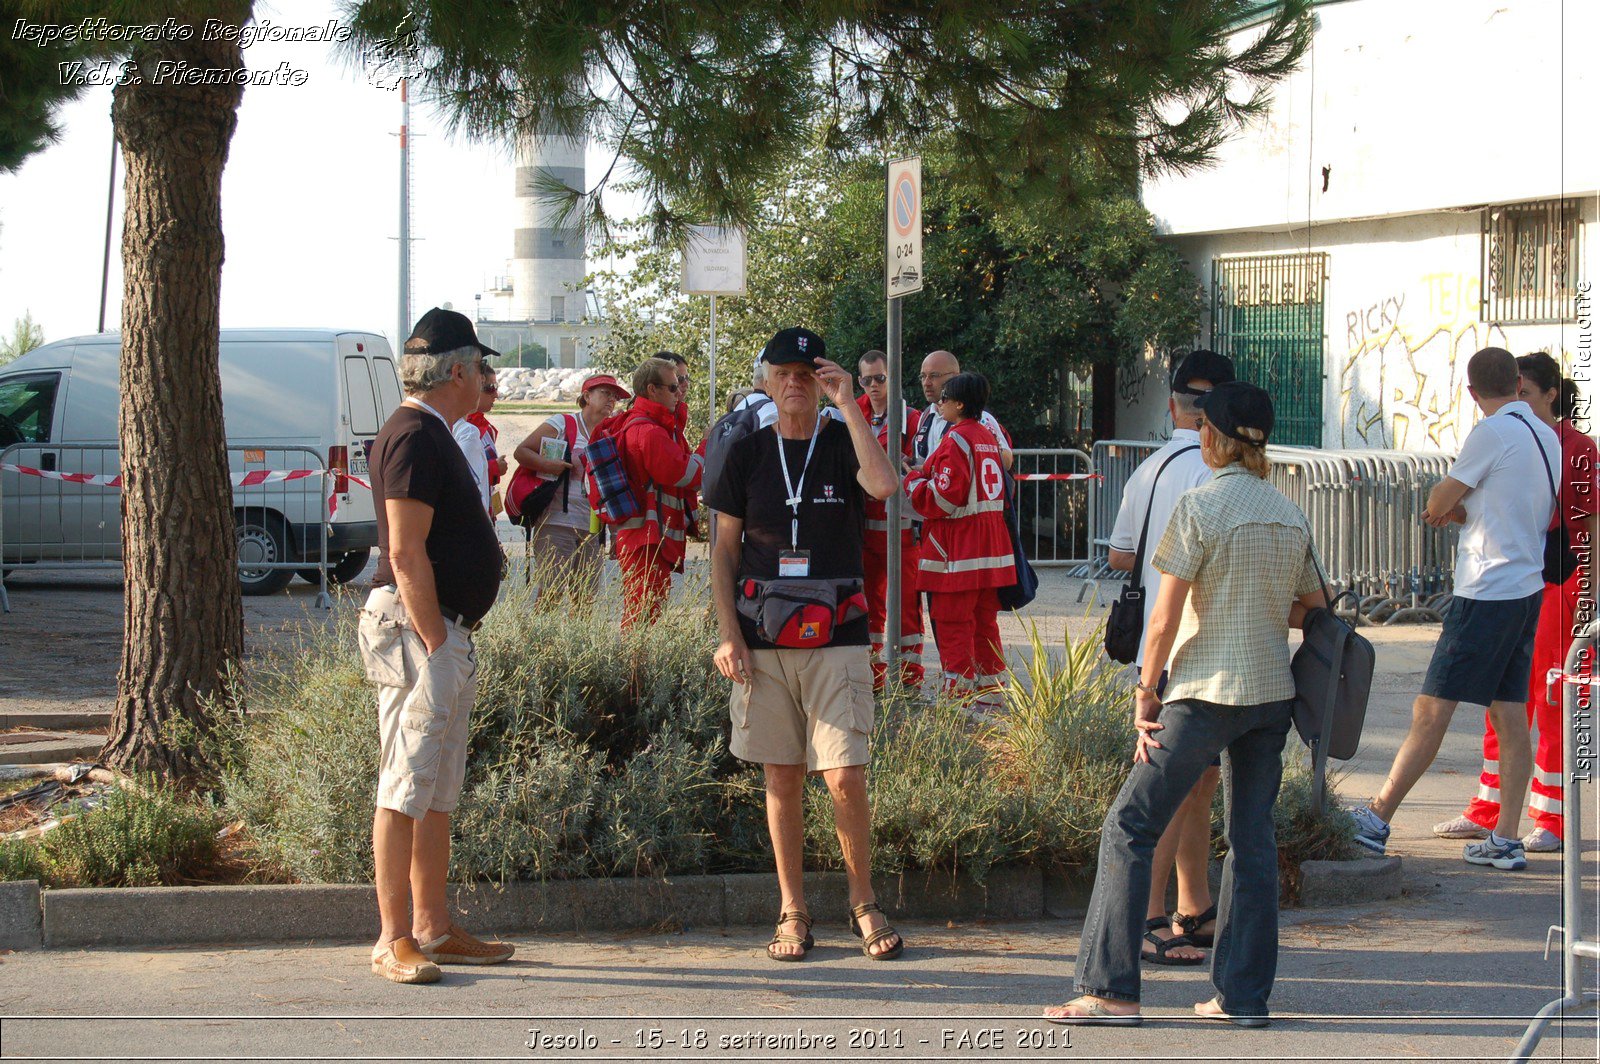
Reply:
x=969, y=389
x=1224, y=450
x=1545, y=373
x=421, y=374
x=653, y=371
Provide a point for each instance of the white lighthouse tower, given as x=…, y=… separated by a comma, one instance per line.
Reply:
x=547, y=263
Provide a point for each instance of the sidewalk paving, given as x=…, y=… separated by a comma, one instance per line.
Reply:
x=1451, y=970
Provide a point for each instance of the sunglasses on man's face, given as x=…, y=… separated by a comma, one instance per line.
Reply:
x=673, y=387
x=869, y=379
x=490, y=389
x=927, y=378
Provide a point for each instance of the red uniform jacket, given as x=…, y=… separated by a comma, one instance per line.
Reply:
x=960, y=494
x=662, y=471
x=878, y=509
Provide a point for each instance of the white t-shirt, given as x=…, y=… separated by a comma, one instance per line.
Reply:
x=925, y=444
x=1188, y=470
x=1510, y=506
x=470, y=440
x=576, y=515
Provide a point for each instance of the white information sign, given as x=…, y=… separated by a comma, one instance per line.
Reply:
x=714, y=261
x=904, y=252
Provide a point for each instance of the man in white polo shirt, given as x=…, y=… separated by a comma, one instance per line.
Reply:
x=1150, y=495
x=1496, y=491
x=937, y=368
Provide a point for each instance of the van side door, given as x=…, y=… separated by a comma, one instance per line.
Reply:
x=30, y=506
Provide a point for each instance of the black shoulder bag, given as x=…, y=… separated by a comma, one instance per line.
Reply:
x=1559, y=561
x=1332, y=682
x=1125, y=624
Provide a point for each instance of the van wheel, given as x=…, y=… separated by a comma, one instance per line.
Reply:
x=342, y=568
x=262, y=538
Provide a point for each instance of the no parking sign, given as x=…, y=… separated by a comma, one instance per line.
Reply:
x=903, y=260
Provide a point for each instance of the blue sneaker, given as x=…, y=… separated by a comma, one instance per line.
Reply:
x=1371, y=832
x=1504, y=854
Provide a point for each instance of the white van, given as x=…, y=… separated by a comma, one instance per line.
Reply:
x=284, y=392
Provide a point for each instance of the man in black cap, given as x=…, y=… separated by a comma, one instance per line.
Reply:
x=786, y=578
x=438, y=575
x=1147, y=501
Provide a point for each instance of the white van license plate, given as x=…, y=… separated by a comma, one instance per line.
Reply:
x=358, y=464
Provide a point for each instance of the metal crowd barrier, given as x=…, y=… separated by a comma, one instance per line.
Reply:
x=1365, y=511
x=47, y=522
x=1056, y=498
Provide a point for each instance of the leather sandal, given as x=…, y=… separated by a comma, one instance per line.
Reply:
x=789, y=938
x=868, y=941
x=1192, y=924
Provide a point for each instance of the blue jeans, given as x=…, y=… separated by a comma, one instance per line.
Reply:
x=1245, y=959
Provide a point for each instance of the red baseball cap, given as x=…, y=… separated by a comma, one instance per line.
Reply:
x=604, y=380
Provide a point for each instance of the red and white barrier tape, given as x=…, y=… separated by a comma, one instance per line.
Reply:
x=1058, y=476
x=252, y=479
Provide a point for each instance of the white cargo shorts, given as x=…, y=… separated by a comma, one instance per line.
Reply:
x=424, y=702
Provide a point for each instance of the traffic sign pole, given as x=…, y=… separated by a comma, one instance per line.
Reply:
x=902, y=231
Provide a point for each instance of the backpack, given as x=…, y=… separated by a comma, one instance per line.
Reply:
x=1332, y=681
x=611, y=496
x=729, y=430
x=529, y=494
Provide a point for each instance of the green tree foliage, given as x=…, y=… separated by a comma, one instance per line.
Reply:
x=1040, y=100
x=1024, y=303
x=31, y=89
x=25, y=336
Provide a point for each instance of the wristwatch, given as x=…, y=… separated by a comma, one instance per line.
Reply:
x=1146, y=688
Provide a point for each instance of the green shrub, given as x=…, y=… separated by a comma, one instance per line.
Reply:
x=143, y=837
x=599, y=752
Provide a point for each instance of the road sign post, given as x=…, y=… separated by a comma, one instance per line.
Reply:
x=902, y=276
x=714, y=263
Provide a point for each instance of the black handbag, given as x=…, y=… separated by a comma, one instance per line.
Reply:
x=1332, y=670
x=1125, y=623
x=1559, y=561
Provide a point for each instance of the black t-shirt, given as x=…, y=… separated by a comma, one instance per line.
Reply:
x=416, y=457
x=832, y=513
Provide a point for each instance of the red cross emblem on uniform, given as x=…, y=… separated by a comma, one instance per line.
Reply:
x=992, y=479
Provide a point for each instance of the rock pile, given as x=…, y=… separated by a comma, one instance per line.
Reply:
x=540, y=385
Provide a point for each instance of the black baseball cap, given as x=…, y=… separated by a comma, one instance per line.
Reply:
x=1235, y=405
x=440, y=331
x=794, y=345
x=1204, y=365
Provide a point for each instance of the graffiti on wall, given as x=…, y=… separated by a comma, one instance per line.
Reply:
x=1133, y=382
x=1403, y=383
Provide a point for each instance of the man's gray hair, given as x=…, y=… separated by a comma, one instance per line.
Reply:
x=758, y=376
x=421, y=374
x=1186, y=404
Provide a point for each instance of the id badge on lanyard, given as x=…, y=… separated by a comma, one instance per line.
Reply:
x=794, y=563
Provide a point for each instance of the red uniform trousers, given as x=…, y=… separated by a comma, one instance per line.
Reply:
x=875, y=558
x=1550, y=643
x=966, y=627
x=646, y=580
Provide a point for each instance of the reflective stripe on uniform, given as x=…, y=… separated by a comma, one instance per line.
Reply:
x=689, y=473
x=965, y=565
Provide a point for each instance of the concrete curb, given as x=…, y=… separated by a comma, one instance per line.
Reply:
x=188, y=916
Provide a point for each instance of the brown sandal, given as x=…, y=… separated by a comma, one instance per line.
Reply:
x=867, y=942
x=789, y=938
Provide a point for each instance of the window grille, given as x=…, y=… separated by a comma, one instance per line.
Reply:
x=1266, y=315
x=1530, y=263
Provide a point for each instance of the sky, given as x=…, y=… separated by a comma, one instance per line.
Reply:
x=310, y=204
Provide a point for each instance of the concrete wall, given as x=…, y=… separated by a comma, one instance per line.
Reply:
x=1422, y=111
x=1411, y=105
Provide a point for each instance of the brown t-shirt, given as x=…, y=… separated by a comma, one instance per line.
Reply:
x=416, y=457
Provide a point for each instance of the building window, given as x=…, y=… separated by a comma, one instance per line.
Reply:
x=558, y=308
x=1530, y=263
x=1266, y=315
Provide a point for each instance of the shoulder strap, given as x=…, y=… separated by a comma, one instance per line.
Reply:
x=1144, y=533
x=1548, y=475
x=572, y=430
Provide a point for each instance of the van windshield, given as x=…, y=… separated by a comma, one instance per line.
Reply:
x=27, y=405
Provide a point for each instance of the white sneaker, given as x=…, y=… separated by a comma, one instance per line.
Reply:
x=1541, y=840
x=1460, y=828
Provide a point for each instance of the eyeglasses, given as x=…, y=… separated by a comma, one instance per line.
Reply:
x=673, y=387
x=929, y=378
x=490, y=389
x=869, y=379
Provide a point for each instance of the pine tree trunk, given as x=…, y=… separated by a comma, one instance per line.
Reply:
x=183, y=620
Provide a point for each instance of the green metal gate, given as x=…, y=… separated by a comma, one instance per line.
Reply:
x=1266, y=315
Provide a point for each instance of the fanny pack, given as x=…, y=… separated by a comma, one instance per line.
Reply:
x=800, y=614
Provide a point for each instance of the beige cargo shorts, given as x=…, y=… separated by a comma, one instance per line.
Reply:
x=424, y=702
x=804, y=707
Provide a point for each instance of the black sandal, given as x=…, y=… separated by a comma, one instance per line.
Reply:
x=867, y=942
x=1192, y=924
x=789, y=938
x=1164, y=945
